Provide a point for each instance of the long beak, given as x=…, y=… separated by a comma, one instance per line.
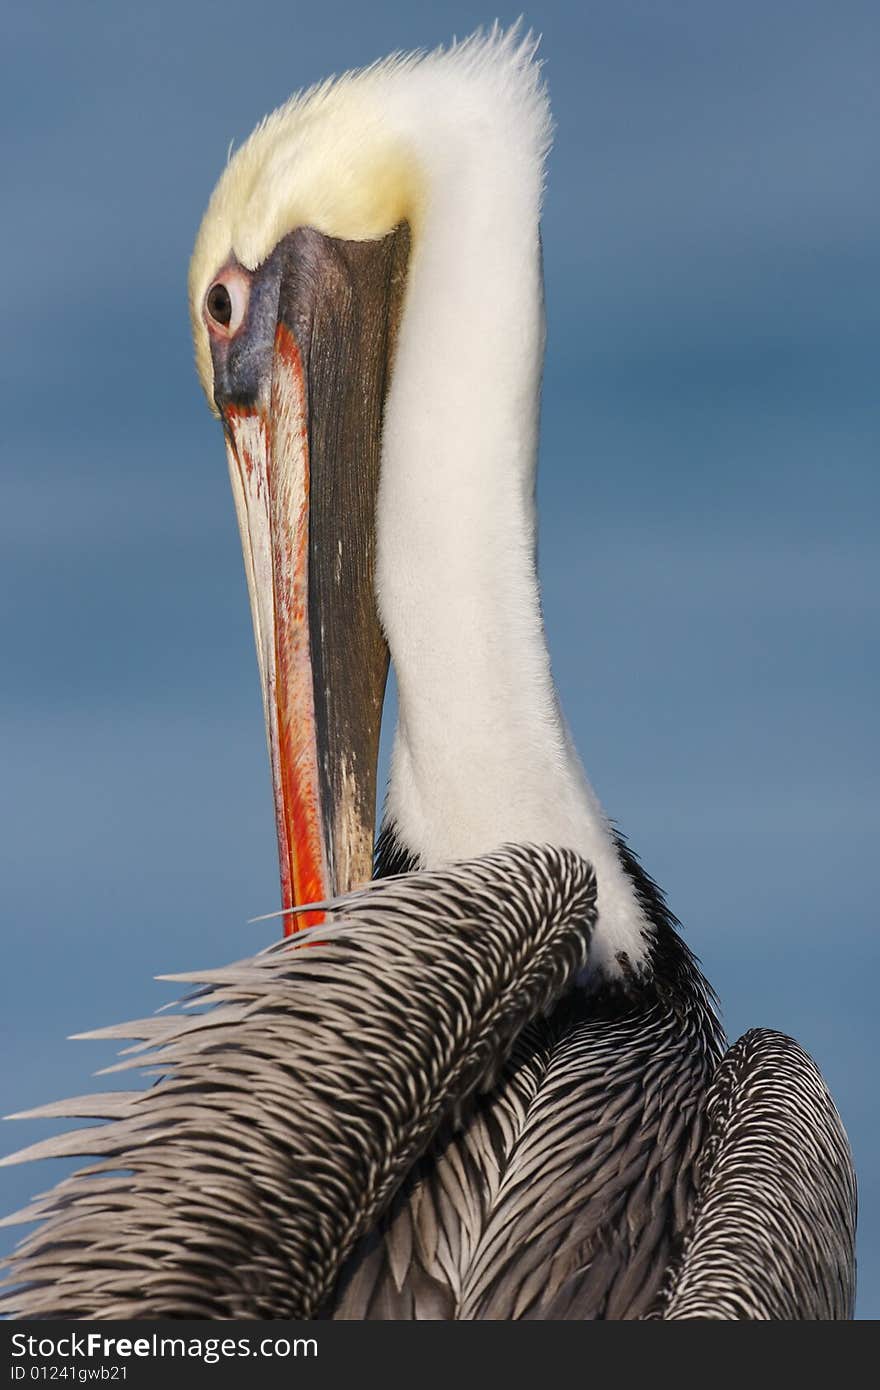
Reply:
x=301, y=391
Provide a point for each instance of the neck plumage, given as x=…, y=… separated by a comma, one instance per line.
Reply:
x=482, y=755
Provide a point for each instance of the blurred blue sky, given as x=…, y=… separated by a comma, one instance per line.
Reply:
x=708, y=500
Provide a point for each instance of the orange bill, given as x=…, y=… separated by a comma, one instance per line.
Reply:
x=268, y=454
x=302, y=350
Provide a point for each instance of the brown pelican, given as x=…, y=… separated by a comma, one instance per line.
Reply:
x=492, y=1083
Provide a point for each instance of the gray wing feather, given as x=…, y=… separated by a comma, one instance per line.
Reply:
x=773, y=1233
x=402, y=1122
x=563, y=1193
x=287, y=1114
x=412, y=1265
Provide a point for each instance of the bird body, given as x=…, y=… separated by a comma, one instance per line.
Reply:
x=417, y=1116
x=492, y=1083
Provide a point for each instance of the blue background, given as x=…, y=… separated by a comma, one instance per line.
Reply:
x=708, y=500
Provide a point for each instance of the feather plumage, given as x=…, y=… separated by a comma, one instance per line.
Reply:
x=288, y=1113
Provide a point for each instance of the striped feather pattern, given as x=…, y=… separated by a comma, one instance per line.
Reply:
x=773, y=1235
x=289, y=1111
x=418, y=1117
x=564, y=1192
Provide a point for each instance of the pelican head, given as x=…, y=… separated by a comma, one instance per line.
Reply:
x=367, y=306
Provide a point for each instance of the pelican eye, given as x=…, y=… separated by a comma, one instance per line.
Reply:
x=227, y=300
x=220, y=305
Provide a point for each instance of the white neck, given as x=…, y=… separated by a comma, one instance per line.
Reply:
x=482, y=754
